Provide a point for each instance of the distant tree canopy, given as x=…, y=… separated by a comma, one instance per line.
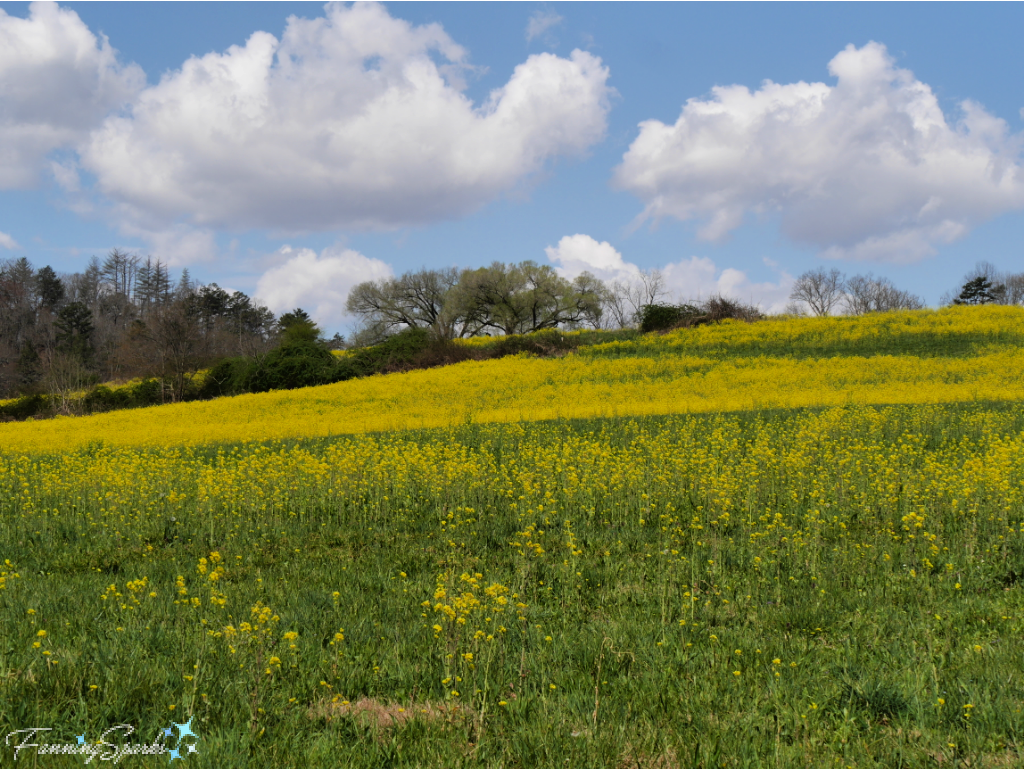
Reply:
x=987, y=285
x=122, y=317
x=298, y=329
x=74, y=329
x=527, y=297
x=823, y=292
x=502, y=298
x=125, y=317
x=980, y=290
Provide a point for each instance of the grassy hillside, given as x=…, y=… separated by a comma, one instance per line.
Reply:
x=949, y=356
x=706, y=579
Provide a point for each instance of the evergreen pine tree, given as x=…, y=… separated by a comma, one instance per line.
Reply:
x=978, y=291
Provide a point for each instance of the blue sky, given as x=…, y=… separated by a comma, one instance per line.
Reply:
x=292, y=157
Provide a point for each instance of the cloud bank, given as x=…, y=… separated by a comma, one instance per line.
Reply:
x=6, y=241
x=57, y=82
x=687, y=279
x=353, y=120
x=869, y=168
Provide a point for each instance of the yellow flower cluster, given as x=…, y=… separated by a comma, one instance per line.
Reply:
x=256, y=633
x=469, y=613
x=7, y=573
x=460, y=604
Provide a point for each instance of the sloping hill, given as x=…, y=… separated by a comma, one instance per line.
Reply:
x=952, y=355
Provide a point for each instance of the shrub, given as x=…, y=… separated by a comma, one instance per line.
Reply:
x=226, y=378
x=296, y=365
x=444, y=352
x=662, y=317
x=396, y=353
x=24, y=407
x=666, y=317
x=720, y=308
x=103, y=398
x=148, y=392
x=549, y=342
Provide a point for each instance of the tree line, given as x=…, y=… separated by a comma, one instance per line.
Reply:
x=121, y=318
x=125, y=317
x=498, y=300
x=829, y=292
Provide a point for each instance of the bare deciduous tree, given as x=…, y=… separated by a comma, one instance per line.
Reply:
x=1014, y=285
x=821, y=290
x=625, y=297
x=423, y=299
x=866, y=293
x=102, y=315
x=66, y=377
x=178, y=346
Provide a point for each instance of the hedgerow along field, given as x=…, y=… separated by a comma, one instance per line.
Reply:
x=831, y=584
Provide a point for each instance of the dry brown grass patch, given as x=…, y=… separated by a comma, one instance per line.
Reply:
x=667, y=760
x=384, y=715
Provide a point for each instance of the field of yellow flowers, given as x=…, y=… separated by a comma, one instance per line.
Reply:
x=954, y=355
x=795, y=552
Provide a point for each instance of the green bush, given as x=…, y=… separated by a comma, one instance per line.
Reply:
x=148, y=392
x=24, y=407
x=396, y=353
x=300, y=362
x=102, y=398
x=226, y=378
x=547, y=342
x=662, y=317
x=298, y=365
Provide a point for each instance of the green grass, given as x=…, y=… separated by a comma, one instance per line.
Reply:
x=871, y=628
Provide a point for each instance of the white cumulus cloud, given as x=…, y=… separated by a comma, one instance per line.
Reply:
x=868, y=168
x=685, y=280
x=347, y=121
x=699, y=278
x=318, y=283
x=57, y=82
x=6, y=241
x=578, y=253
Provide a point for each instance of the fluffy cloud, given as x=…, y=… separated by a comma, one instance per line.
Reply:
x=866, y=169
x=57, y=81
x=687, y=279
x=698, y=277
x=317, y=283
x=347, y=121
x=581, y=253
x=6, y=241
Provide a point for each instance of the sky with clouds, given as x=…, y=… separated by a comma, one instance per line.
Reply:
x=292, y=150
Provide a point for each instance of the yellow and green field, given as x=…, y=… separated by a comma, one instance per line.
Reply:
x=790, y=543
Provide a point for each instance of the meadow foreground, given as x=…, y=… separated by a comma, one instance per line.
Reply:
x=771, y=584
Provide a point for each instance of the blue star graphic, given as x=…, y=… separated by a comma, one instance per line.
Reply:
x=81, y=739
x=185, y=730
x=168, y=732
x=174, y=754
